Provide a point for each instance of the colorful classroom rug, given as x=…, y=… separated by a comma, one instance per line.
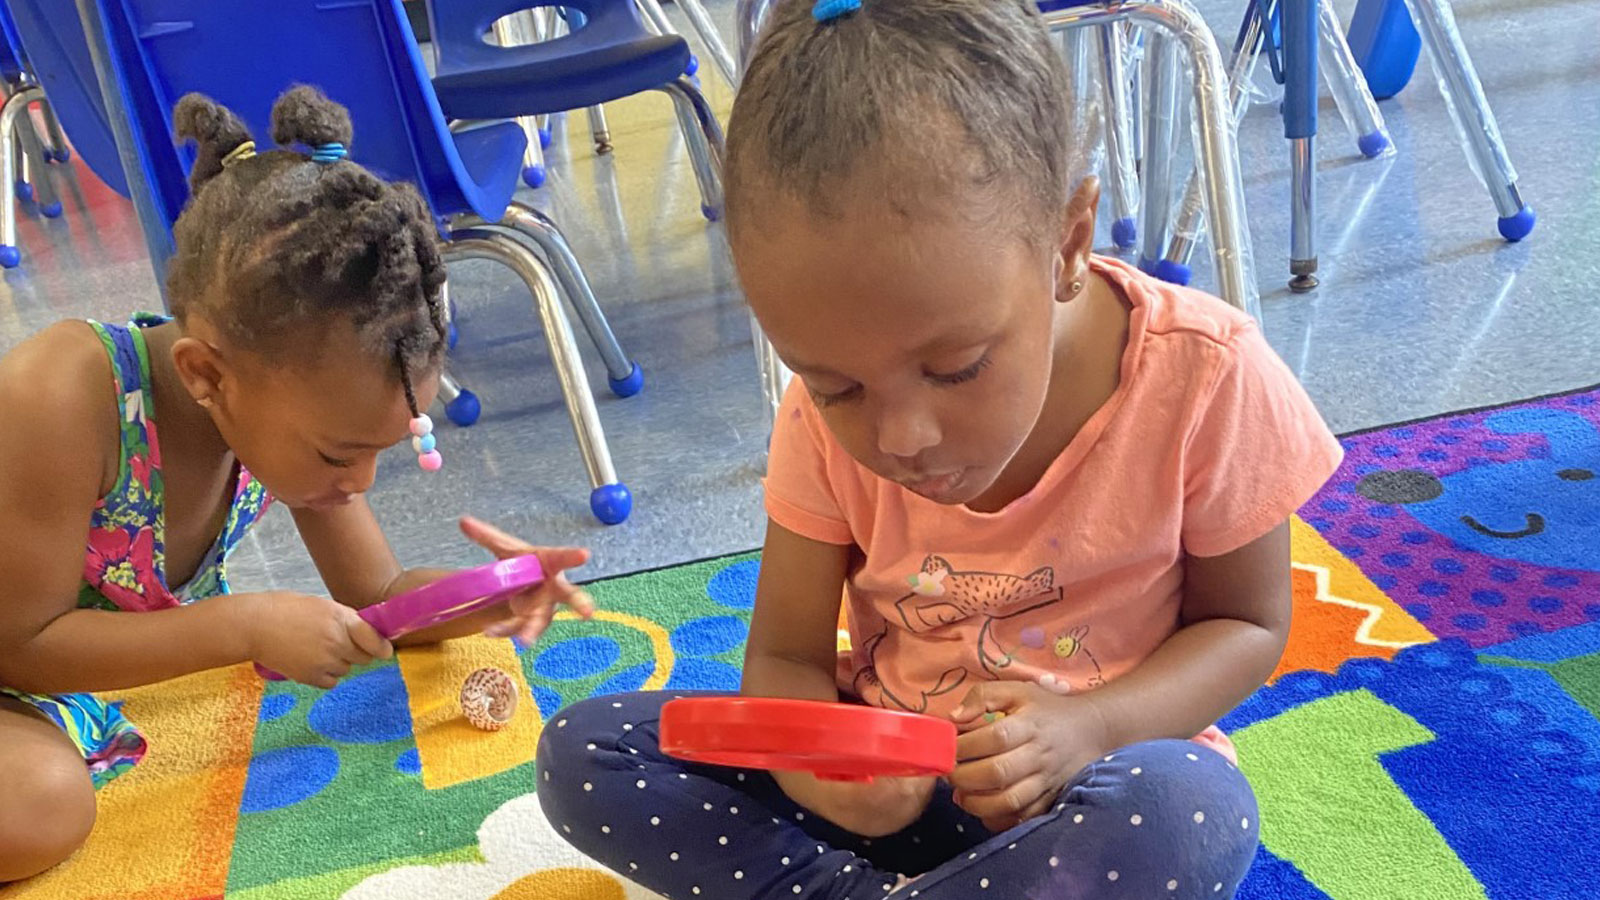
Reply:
x=1432, y=734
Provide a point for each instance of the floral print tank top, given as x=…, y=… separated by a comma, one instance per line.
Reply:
x=125, y=566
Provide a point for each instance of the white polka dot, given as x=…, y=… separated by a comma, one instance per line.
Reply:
x=799, y=817
x=962, y=829
x=1113, y=875
x=733, y=810
x=984, y=884
x=695, y=889
x=1055, y=861
x=547, y=778
x=605, y=829
x=588, y=786
x=741, y=776
x=639, y=784
x=972, y=856
x=673, y=856
x=655, y=820
x=916, y=839
x=723, y=840
x=1077, y=819
x=1244, y=823
x=865, y=842
x=1012, y=847
x=1199, y=817
x=820, y=850
x=626, y=727
x=1172, y=884
x=1191, y=757
x=633, y=867
x=1111, y=757
x=567, y=828
x=562, y=723
x=593, y=748
x=1136, y=820
x=616, y=706
x=846, y=869
x=1137, y=770
x=738, y=875
x=707, y=807
x=1217, y=889
x=786, y=860
x=797, y=889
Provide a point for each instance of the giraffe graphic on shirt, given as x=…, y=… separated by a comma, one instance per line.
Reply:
x=942, y=597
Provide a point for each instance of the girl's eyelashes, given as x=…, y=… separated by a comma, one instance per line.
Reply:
x=823, y=400
x=965, y=375
x=336, y=463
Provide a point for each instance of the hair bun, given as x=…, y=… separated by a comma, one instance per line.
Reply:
x=304, y=115
x=213, y=127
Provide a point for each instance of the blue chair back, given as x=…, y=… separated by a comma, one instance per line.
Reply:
x=361, y=53
x=12, y=59
x=50, y=40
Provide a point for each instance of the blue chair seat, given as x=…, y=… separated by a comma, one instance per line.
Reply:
x=490, y=157
x=608, y=56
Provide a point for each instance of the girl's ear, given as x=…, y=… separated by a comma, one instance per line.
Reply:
x=1077, y=240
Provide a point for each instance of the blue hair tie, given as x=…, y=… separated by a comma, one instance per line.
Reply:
x=325, y=154
x=828, y=10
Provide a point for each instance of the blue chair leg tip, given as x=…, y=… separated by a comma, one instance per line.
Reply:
x=24, y=191
x=10, y=257
x=545, y=137
x=1125, y=233
x=533, y=176
x=1172, y=272
x=712, y=213
x=611, y=503
x=630, y=385
x=693, y=66
x=464, y=409
x=51, y=211
x=453, y=336
x=1515, y=228
x=1372, y=145
x=64, y=155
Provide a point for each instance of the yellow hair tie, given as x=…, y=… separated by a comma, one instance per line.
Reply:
x=242, y=152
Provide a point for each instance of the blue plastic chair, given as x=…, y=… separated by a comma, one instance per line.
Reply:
x=608, y=54
x=362, y=54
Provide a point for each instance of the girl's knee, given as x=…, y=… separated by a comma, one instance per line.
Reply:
x=48, y=814
x=1185, y=798
x=585, y=745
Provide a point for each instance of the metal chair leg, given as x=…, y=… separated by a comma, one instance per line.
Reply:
x=512, y=31
x=1349, y=87
x=599, y=129
x=57, y=150
x=1469, y=109
x=14, y=107
x=748, y=17
x=703, y=135
x=35, y=160
x=609, y=499
x=1121, y=168
x=711, y=38
x=1160, y=148
x=624, y=374
x=1300, y=128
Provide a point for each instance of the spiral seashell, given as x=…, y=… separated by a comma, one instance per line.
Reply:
x=489, y=698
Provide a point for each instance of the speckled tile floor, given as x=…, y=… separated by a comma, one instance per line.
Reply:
x=1422, y=308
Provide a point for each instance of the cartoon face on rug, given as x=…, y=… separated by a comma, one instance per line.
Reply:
x=999, y=621
x=1545, y=511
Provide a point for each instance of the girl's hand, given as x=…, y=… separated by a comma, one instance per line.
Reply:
x=306, y=638
x=531, y=610
x=1020, y=745
x=873, y=809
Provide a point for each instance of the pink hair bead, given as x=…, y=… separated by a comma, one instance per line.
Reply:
x=430, y=461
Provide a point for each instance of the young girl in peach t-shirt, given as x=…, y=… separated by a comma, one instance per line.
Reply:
x=1043, y=483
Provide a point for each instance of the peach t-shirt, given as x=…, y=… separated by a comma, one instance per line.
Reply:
x=1207, y=443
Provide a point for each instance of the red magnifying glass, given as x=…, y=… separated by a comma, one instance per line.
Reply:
x=451, y=597
x=834, y=741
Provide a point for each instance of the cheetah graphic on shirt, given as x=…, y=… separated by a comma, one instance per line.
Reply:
x=941, y=597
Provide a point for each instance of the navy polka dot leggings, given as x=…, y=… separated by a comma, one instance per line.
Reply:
x=1164, y=819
